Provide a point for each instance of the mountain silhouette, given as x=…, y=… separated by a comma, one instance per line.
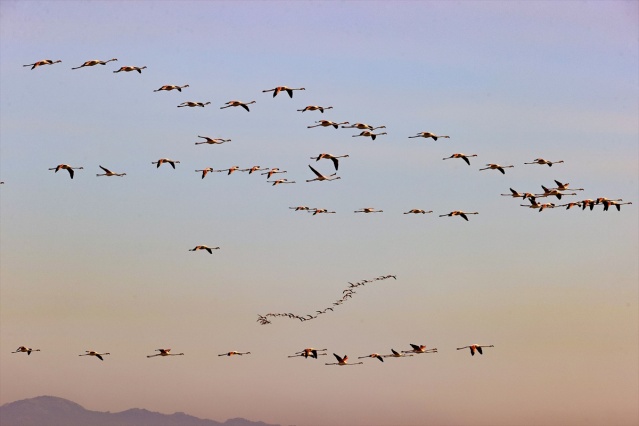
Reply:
x=54, y=411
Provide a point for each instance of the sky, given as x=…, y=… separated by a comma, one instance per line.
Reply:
x=102, y=263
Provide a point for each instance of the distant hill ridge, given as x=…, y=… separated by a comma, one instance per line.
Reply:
x=54, y=411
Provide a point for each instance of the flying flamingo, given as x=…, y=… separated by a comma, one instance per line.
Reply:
x=378, y=356
x=417, y=211
x=165, y=160
x=298, y=208
x=608, y=203
x=396, y=354
x=321, y=177
x=238, y=103
x=279, y=89
x=326, y=123
x=42, y=62
x=516, y=194
x=570, y=205
x=67, y=168
x=170, y=87
x=342, y=361
x=541, y=161
x=363, y=126
x=163, y=352
x=108, y=172
x=273, y=171
x=369, y=134
x=95, y=354
x=428, y=135
x=320, y=211
x=493, y=166
x=279, y=181
x=458, y=213
x=421, y=349
x=564, y=187
x=253, y=169
x=94, y=62
x=234, y=353
x=193, y=104
x=315, y=108
x=128, y=69
x=477, y=348
x=333, y=158
x=25, y=349
x=312, y=352
x=205, y=171
x=211, y=141
x=368, y=210
x=207, y=248
x=462, y=156
x=587, y=202
x=550, y=192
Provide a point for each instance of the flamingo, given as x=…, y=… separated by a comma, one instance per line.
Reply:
x=42, y=62
x=128, y=69
x=564, y=187
x=229, y=170
x=170, y=87
x=273, y=171
x=238, y=103
x=165, y=160
x=333, y=158
x=462, y=156
x=368, y=210
x=550, y=192
x=342, y=361
x=428, y=135
x=312, y=352
x=94, y=62
x=533, y=203
x=234, y=353
x=369, y=134
x=363, y=126
x=493, y=166
x=396, y=354
x=298, y=208
x=378, y=356
x=420, y=349
x=477, y=348
x=315, y=108
x=67, y=168
x=279, y=181
x=108, y=172
x=516, y=194
x=541, y=161
x=587, y=202
x=570, y=205
x=207, y=248
x=546, y=206
x=163, y=352
x=458, y=213
x=253, y=169
x=205, y=171
x=608, y=203
x=212, y=141
x=320, y=211
x=417, y=211
x=326, y=123
x=321, y=177
x=279, y=89
x=95, y=354
x=193, y=104
x=25, y=349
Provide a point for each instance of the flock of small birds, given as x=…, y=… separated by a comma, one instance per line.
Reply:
x=346, y=294
x=561, y=190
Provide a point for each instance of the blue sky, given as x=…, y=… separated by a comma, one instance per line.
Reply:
x=103, y=263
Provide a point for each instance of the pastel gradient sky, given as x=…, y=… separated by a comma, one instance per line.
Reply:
x=103, y=263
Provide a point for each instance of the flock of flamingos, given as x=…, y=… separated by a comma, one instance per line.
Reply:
x=559, y=191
